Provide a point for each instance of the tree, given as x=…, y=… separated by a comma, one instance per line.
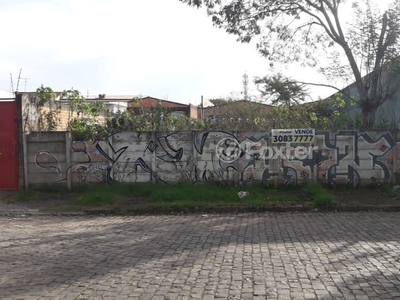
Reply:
x=321, y=115
x=45, y=95
x=220, y=101
x=159, y=119
x=240, y=115
x=297, y=30
x=280, y=90
x=44, y=100
x=85, y=119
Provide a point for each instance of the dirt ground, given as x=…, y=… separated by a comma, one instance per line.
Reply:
x=364, y=196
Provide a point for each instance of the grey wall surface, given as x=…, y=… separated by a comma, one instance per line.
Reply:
x=346, y=157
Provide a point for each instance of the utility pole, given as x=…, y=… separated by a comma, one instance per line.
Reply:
x=245, y=86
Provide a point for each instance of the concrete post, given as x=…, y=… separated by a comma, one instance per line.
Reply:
x=68, y=159
x=25, y=161
x=394, y=170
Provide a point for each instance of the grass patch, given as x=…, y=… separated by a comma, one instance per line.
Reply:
x=170, y=195
x=181, y=196
x=34, y=195
x=320, y=197
x=174, y=198
x=100, y=195
x=152, y=198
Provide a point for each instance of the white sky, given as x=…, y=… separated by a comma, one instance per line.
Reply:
x=161, y=48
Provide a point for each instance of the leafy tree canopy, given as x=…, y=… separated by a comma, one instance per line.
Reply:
x=280, y=90
x=313, y=32
x=220, y=101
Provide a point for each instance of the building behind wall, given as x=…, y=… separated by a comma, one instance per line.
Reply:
x=387, y=114
x=34, y=117
x=140, y=104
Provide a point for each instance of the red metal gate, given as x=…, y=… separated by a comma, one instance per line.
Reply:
x=8, y=146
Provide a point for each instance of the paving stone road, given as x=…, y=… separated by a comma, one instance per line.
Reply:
x=245, y=256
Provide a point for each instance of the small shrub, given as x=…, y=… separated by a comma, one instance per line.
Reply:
x=324, y=200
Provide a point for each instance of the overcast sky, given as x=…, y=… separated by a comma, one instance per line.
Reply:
x=161, y=48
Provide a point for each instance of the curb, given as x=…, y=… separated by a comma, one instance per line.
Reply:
x=210, y=210
x=239, y=210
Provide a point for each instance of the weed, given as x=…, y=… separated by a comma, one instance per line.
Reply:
x=324, y=200
x=320, y=196
x=102, y=195
x=32, y=195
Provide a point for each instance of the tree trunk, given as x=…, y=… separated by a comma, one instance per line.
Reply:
x=368, y=116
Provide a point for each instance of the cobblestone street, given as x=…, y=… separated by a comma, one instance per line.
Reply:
x=244, y=256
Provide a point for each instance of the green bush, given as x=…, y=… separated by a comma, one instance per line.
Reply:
x=324, y=200
x=320, y=196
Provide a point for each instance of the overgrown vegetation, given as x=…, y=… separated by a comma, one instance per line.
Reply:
x=320, y=197
x=321, y=115
x=180, y=195
x=45, y=108
x=91, y=120
x=177, y=197
x=145, y=198
x=86, y=120
x=152, y=120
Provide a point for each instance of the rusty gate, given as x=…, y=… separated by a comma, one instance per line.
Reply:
x=8, y=146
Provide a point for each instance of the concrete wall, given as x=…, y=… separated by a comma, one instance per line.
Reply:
x=44, y=158
x=347, y=157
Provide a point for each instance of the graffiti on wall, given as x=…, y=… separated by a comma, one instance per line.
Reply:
x=47, y=161
x=358, y=157
x=345, y=157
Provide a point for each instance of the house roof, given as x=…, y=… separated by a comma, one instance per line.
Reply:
x=129, y=98
x=6, y=94
x=236, y=102
x=162, y=100
x=112, y=98
x=58, y=94
x=105, y=97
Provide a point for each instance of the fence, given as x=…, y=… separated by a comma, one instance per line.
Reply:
x=344, y=157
